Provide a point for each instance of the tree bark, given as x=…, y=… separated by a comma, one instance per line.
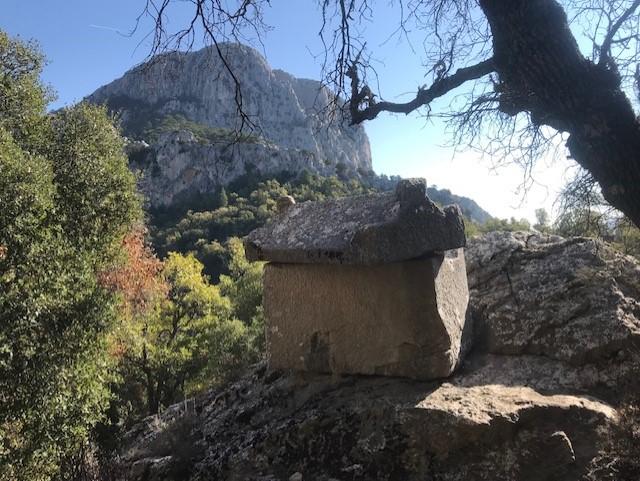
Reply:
x=542, y=71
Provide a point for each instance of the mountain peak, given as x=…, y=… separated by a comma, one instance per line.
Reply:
x=293, y=126
x=285, y=110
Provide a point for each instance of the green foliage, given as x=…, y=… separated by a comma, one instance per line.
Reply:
x=67, y=198
x=190, y=338
x=249, y=206
x=23, y=98
x=542, y=221
x=243, y=287
x=341, y=169
x=584, y=212
x=581, y=221
x=205, y=134
x=471, y=229
x=96, y=195
x=585, y=221
x=627, y=237
x=510, y=225
x=222, y=200
x=189, y=330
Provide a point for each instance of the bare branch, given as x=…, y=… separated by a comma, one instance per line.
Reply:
x=605, y=50
x=637, y=80
x=217, y=21
x=363, y=96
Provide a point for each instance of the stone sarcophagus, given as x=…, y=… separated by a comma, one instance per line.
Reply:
x=374, y=284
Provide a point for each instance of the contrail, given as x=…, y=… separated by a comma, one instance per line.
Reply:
x=103, y=27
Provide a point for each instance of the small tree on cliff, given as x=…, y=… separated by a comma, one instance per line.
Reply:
x=516, y=61
x=222, y=199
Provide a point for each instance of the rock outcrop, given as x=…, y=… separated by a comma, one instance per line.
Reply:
x=293, y=127
x=555, y=345
x=569, y=307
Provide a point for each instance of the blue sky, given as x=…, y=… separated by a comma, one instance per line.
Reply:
x=84, y=43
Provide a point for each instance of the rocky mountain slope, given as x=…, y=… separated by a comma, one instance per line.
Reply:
x=469, y=207
x=556, y=327
x=180, y=90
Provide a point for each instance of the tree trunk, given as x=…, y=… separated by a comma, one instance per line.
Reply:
x=153, y=403
x=542, y=72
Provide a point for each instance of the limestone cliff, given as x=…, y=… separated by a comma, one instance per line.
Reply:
x=554, y=347
x=293, y=129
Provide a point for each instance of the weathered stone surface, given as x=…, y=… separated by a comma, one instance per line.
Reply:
x=270, y=426
x=367, y=229
x=286, y=110
x=531, y=408
x=400, y=319
x=179, y=165
x=572, y=300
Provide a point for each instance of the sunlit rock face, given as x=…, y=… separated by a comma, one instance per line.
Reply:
x=292, y=126
x=179, y=165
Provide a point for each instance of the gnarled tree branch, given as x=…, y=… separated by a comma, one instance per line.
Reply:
x=362, y=96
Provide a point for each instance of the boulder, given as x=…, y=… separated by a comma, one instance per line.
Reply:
x=570, y=303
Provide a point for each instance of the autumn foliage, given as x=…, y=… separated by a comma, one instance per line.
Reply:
x=136, y=277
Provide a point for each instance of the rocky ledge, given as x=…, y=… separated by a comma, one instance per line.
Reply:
x=554, y=347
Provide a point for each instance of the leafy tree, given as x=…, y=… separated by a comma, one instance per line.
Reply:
x=583, y=210
x=542, y=220
x=67, y=199
x=471, y=229
x=168, y=342
x=223, y=200
x=23, y=99
x=243, y=288
x=180, y=335
x=627, y=237
x=509, y=225
x=581, y=221
x=517, y=63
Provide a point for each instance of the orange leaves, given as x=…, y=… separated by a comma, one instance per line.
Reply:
x=138, y=278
